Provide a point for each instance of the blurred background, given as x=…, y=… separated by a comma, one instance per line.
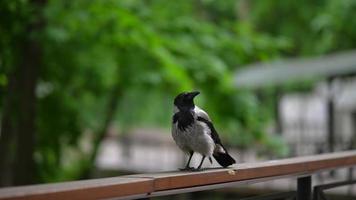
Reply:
x=87, y=87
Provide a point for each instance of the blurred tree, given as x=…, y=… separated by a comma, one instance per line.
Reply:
x=290, y=19
x=334, y=27
x=102, y=62
x=313, y=27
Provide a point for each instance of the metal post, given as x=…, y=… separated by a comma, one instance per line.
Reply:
x=304, y=190
x=277, y=110
x=331, y=121
x=331, y=113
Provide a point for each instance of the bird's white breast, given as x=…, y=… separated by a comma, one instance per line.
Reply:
x=195, y=137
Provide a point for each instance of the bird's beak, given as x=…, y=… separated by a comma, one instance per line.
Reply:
x=193, y=94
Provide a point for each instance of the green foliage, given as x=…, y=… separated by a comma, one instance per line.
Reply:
x=335, y=26
x=313, y=27
x=290, y=19
x=151, y=50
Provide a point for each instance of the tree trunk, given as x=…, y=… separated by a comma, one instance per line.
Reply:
x=18, y=121
x=24, y=163
x=8, y=133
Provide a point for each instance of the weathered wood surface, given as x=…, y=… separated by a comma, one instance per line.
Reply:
x=145, y=185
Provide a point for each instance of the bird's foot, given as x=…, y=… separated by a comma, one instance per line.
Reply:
x=186, y=169
x=197, y=169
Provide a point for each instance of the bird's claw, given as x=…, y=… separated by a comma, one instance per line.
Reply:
x=186, y=169
x=197, y=169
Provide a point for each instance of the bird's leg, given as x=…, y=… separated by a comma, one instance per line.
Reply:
x=190, y=158
x=201, y=163
x=211, y=160
x=187, y=165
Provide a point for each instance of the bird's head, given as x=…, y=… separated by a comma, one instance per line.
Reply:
x=185, y=100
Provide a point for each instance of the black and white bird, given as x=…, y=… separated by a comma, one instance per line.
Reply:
x=193, y=131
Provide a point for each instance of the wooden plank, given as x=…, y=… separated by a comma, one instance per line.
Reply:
x=141, y=185
x=276, y=168
x=87, y=189
x=212, y=186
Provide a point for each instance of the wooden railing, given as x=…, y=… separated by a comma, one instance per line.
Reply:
x=167, y=183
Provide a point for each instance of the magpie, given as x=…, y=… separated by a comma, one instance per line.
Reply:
x=193, y=131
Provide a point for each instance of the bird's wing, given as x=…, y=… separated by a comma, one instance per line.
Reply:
x=213, y=134
x=220, y=153
x=204, y=117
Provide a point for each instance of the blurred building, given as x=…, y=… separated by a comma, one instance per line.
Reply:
x=304, y=118
x=321, y=119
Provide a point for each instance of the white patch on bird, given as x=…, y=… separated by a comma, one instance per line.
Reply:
x=201, y=113
x=219, y=148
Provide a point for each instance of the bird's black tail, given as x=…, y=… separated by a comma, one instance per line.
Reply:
x=224, y=159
